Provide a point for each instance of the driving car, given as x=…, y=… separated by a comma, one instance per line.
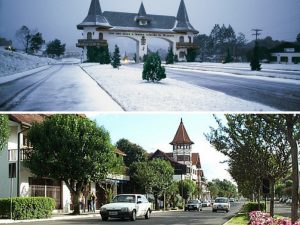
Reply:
x=193, y=205
x=205, y=203
x=128, y=206
x=221, y=203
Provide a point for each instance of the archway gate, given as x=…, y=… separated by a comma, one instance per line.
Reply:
x=99, y=27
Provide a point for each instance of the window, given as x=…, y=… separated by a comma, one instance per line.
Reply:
x=100, y=36
x=181, y=55
x=190, y=39
x=143, y=22
x=89, y=35
x=183, y=158
x=181, y=39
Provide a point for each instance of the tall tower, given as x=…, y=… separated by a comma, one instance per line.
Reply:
x=182, y=146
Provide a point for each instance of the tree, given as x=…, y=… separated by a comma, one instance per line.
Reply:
x=104, y=55
x=170, y=57
x=191, y=55
x=155, y=176
x=36, y=42
x=153, y=71
x=116, y=58
x=255, y=65
x=263, y=152
x=55, y=48
x=4, y=131
x=71, y=148
x=24, y=36
x=134, y=152
x=298, y=38
x=228, y=58
x=187, y=188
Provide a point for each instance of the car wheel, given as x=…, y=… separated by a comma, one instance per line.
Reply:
x=104, y=218
x=147, y=216
x=133, y=216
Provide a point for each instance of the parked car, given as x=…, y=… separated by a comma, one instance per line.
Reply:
x=221, y=203
x=193, y=205
x=231, y=200
x=128, y=206
x=288, y=201
x=206, y=203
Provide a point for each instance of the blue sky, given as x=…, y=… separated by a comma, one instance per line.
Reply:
x=58, y=18
x=156, y=131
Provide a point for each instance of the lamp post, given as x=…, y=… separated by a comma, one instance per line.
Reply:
x=18, y=163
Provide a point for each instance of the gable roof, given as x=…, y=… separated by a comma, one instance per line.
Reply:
x=181, y=136
x=28, y=118
x=119, y=152
x=95, y=17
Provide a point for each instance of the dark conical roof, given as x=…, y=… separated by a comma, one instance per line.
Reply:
x=95, y=17
x=142, y=15
x=183, y=22
x=181, y=136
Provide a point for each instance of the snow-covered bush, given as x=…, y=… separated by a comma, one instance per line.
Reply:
x=261, y=218
x=153, y=71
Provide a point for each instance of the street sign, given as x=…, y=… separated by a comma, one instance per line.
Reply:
x=12, y=170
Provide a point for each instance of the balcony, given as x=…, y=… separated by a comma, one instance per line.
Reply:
x=187, y=45
x=91, y=42
x=24, y=154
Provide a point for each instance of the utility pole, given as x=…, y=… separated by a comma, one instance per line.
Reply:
x=257, y=33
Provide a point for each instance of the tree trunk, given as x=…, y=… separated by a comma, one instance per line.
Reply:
x=258, y=199
x=156, y=203
x=272, y=195
x=76, y=206
x=295, y=186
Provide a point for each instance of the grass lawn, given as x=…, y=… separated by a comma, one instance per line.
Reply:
x=240, y=218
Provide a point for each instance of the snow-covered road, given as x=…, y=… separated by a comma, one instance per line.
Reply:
x=58, y=88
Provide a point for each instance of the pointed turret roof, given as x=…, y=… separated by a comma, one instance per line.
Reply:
x=95, y=17
x=181, y=136
x=183, y=22
x=142, y=15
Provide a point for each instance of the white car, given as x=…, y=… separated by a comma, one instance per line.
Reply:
x=221, y=203
x=126, y=206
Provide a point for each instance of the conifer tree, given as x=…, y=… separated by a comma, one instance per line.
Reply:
x=170, y=57
x=104, y=55
x=116, y=58
x=255, y=65
x=153, y=71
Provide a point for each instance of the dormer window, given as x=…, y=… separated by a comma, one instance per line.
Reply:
x=143, y=22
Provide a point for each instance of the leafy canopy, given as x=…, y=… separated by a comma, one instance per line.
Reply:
x=4, y=131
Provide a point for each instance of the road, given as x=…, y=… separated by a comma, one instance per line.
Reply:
x=281, y=94
x=206, y=217
x=62, y=87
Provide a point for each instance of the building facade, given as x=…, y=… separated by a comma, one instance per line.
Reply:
x=286, y=53
x=100, y=27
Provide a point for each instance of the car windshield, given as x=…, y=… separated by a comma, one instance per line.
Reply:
x=193, y=202
x=221, y=200
x=124, y=198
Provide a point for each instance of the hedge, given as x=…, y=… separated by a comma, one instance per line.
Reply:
x=27, y=207
x=253, y=206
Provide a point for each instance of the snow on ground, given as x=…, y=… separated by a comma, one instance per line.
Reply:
x=286, y=71
x=15, y=62
x=127, y=87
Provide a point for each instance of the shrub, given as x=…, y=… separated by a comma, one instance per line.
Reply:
x=253, y=206
x=27, y=208
x=153, y=71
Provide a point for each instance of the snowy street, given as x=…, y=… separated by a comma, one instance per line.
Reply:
x=58, y=88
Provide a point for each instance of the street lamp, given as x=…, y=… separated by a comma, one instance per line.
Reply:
x=18, y=163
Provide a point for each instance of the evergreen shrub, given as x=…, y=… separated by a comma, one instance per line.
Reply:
x=253, y=206
x=27, y=207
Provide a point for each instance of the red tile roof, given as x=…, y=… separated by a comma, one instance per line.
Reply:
x=196, y=160
x=181, y=136
x=28, y=118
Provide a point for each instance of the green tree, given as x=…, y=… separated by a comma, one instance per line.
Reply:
x=24, y=36
x=214, y=191
x=255, y=65
x=134, y=152
x=55, y=48
x=4, y=131
x=71, y=148
x=104, y=55
x=170, y=57
x=191, y=55
x=36, y=42
x=228, y=58
x=298, y=38
x=187, y=188
x=155, y=176
x=153, y=71
x=116, y=58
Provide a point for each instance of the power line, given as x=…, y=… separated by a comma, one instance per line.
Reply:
x=257, y=33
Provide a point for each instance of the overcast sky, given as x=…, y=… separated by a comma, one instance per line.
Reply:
x=156, y=131
x=58, y=18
